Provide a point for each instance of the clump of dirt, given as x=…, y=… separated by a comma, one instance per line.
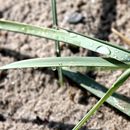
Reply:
x=31, y=98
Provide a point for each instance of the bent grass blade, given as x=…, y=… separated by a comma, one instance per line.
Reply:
x=66, y=36
x=114, y=87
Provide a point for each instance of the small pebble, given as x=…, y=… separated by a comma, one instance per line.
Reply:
x=75, y=18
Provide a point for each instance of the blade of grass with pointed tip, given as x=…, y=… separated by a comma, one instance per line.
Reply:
x=124, y=107
x=93, y=44
x=68, y=61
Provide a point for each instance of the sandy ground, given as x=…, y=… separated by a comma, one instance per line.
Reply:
x=30, y=99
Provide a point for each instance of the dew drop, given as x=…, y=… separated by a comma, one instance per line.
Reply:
x=53, y=68
x=103, y=50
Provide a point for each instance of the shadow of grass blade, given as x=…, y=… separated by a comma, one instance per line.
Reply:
x=67, y=62
x=66, y=36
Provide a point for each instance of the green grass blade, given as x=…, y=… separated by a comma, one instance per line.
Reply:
x=57, y=44
x=93, y=44
x=55, y=25
x=68, y=61
x=54, y=12
x=118, y=101
x=114, y=87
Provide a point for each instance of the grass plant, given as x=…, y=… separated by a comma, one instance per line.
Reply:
x=113, y=56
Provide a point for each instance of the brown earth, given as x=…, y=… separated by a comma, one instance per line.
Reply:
x=31, y=99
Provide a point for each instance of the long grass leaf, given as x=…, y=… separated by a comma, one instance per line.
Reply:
x=68, y=61
x=93, y=44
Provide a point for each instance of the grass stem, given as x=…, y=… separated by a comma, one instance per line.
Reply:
x=57, y=44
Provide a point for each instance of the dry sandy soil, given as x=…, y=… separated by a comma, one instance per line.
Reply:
x=31, y=99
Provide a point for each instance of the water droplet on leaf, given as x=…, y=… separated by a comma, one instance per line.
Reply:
x=103, y=50
x=54, y=68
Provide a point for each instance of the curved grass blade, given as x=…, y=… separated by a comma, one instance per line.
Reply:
x=68, y=61
x=114, y=87
x=93, y=44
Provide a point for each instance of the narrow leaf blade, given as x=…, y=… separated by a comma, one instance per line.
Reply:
x=68, y=62
x=93, y=44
